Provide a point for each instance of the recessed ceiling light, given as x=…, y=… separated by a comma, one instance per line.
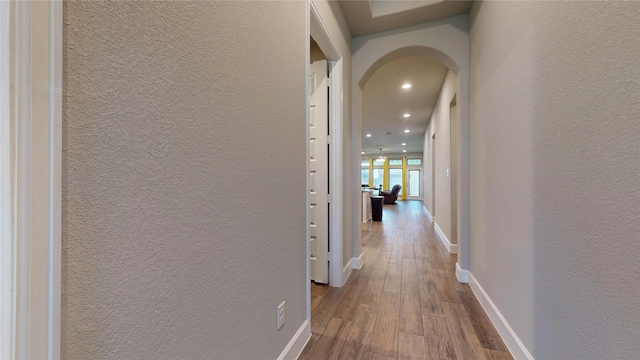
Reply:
x=404, y=150
x=362, y=153
x=406, y=115
x=406, y=131
x=406, y=86
x=368, y=135
x=404, y=144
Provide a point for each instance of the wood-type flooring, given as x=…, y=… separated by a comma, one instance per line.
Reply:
x=405, y=301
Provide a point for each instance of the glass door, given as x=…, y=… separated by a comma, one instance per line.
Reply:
x=414, y=182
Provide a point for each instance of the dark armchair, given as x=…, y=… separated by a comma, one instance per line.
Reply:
x=390, y=197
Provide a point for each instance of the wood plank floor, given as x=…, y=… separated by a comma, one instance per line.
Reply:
x=405, y=302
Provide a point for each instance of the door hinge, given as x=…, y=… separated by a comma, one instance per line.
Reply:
x=328, y=256
x=328, y=198
x=328, y=81
x=328, y=139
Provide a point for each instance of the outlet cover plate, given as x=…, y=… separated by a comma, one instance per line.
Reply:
x=282, y=315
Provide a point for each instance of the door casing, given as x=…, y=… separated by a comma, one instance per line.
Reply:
x=320, y=33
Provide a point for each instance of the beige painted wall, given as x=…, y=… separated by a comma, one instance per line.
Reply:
x=315, y=53
x=555, y=169
x=184, y=179
x=440, y=125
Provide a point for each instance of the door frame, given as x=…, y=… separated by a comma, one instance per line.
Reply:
x=433, y=177
x=30, y=178
x=320, y=33
x=420, y=182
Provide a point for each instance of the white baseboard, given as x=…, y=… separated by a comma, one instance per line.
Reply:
x=357, y=261
x=429, y=217
x=452, y=248
x=462, y=275
x=510, y=338
x=297, y=343
x=346, y=271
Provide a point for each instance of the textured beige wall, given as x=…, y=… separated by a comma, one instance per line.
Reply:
x=315, y=53
x=555, y=169
x=440, y=125
x=184, y=179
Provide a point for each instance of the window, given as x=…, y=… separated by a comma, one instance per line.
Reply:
x=414, y=182
x=395, y=162
x=365, y=176
x=395, y=177
x=414, y=161
x=365, y=171
x=378, y=162
x=377, y=177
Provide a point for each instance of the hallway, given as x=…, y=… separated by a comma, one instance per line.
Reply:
x=405, y=302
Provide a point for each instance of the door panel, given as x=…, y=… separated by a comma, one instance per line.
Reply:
x=318, y=172
x=414, y=183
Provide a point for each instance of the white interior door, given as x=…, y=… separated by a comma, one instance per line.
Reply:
x=319, y=172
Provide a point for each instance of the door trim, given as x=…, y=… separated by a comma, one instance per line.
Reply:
x=30, y=178
x=336, y=206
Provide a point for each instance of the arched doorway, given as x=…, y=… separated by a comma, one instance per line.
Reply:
x=447, y=42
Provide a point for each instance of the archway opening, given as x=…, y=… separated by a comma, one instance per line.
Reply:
x=441, y=178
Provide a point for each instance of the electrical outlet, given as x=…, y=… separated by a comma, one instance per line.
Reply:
x=282, y=314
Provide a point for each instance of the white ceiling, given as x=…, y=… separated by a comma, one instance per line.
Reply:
x=383, y=101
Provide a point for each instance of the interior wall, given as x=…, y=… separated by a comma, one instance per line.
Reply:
x=554, y=155
x=334, y=20
x=440, y=125
x=453, y=168
x=176, y=116
x=315, y=53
